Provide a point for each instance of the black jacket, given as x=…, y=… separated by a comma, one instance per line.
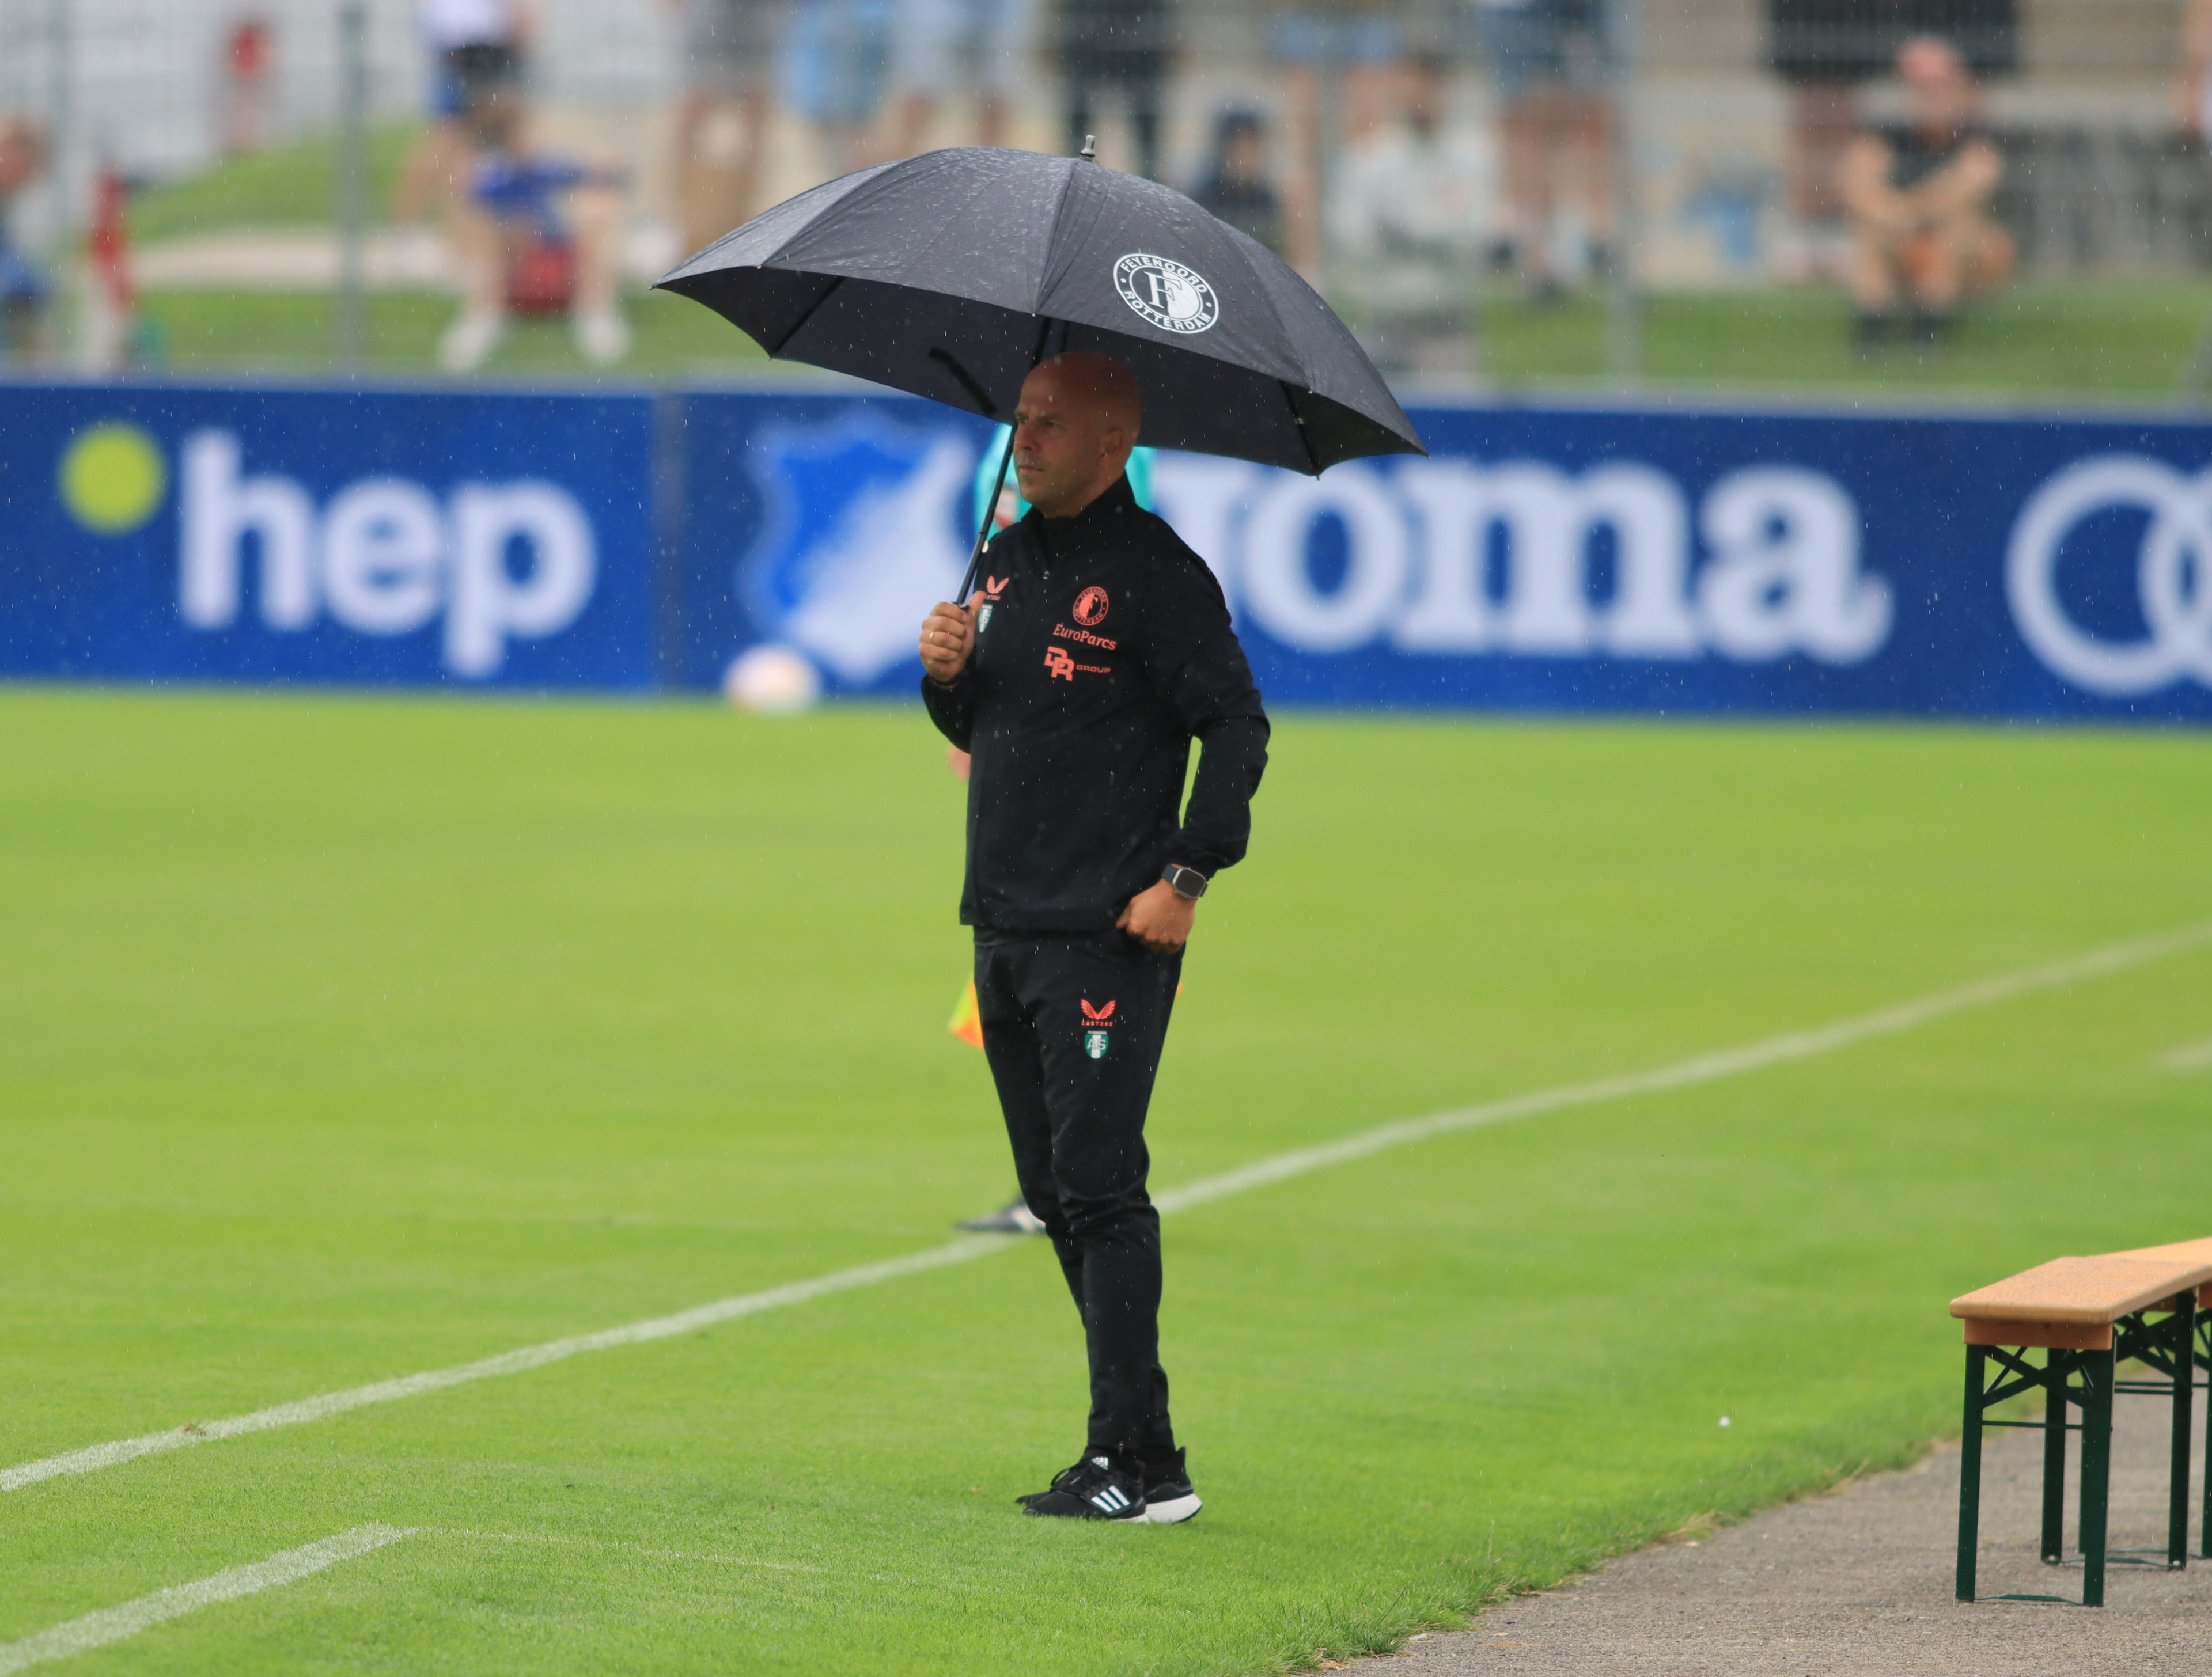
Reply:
x=1104, y=649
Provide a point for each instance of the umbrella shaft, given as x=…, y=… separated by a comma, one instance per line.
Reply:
x=983, y=528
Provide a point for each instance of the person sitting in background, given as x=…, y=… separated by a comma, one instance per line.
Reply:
x=1236, y=189
x=473, y=45
x=1412, y=213
x=1918, y=195
x=535, y=234
x=24, y=292
x=1823, y=52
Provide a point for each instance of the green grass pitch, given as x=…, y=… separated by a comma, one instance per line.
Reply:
x=345, y=1038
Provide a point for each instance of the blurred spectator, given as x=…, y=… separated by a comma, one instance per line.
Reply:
x=24, y=293
x=1824, y=50
x=941, y=48
x=113, y=333
x=1237, y=188
x=721, y=127
x=1116, y=47
x=534, y=234
x=835, y=56
x=1339, y=77
x=1550, y=60
x=1857, y=41
x=1412, y=214
x=474, y=45
x=2192, y=99
x=2192, y=89
x=247, y=59
x=1919, y=195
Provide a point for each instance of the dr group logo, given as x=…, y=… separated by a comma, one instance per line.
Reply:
x=383, y=557
x=2173, y=567
x=1469, y=558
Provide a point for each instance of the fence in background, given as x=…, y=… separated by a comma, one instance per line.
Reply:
x=1673, y=563
x=1724, y=96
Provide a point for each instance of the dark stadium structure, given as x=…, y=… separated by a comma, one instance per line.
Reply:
x=1855, y=40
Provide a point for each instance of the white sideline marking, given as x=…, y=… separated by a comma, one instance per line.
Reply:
x=1703, y=1068
x=2192, y=1057
x=511, y=1362
x=644, y=1553
x=111, y=1624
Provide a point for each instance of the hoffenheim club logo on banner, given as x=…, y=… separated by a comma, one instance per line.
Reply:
x=860, y=540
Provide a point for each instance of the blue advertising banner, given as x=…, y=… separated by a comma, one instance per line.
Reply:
x=282, y=535
x=1543, y=559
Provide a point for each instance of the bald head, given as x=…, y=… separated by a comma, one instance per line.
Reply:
x=1078, y=420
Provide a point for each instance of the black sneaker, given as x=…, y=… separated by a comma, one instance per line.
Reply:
x=1095, y=1488
x=1016, y=1218
x=1169, y=1499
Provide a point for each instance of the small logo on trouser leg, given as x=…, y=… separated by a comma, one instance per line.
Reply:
x=1097, y=1029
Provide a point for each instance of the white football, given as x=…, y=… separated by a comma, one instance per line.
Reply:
x=772, y=681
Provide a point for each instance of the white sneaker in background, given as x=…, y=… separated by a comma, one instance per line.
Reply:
x=602, y=338
x=470, y=341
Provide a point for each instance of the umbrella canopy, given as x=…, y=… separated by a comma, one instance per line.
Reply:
x=950, y=275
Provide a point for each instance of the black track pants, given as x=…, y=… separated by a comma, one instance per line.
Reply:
x=1073, y=1024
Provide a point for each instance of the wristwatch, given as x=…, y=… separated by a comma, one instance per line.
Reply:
x=1186, y=883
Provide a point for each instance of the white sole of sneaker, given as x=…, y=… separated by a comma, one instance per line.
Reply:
x=1174, y=1511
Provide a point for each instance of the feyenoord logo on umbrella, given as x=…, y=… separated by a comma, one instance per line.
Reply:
x=1174, y=298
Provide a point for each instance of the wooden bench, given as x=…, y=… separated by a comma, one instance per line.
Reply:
x=2087, y=1315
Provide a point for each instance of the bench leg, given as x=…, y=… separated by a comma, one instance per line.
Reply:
x=2055, y=1365
x=1970, y=1472
x=2096, y=1368
x=2201, y=1357
x=2183, y=1326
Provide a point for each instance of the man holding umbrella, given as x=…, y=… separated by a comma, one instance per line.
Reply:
x=1097, y=649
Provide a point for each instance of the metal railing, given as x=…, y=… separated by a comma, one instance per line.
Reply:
x=1705, y=113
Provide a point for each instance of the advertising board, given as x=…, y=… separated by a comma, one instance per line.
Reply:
x=278, y=535
x=1542, y=559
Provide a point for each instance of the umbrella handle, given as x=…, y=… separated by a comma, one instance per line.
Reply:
x=983, y=530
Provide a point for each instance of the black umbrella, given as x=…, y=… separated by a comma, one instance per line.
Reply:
x=950, y=275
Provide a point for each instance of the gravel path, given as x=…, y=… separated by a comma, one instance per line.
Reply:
x=1858, y=1583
